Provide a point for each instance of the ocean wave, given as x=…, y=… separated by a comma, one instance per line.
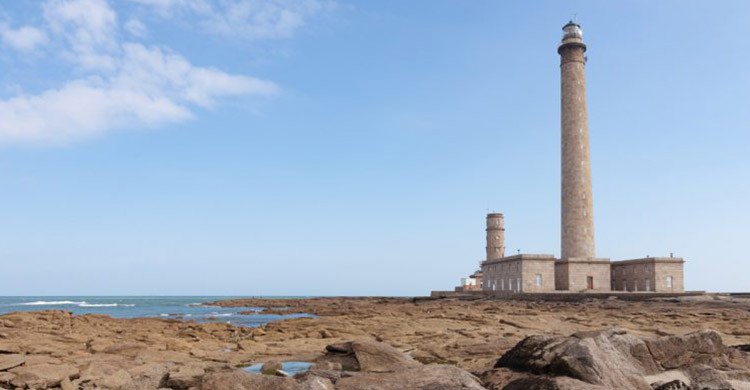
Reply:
x=49, y=303
x=220, y=315
x=75, y=303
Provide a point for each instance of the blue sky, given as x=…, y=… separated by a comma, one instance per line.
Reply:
x=331, y=147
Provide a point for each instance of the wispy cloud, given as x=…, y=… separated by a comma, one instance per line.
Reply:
x=24, y=38
x=245, y=19
x=118, y=84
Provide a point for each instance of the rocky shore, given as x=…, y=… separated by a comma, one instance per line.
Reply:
x=394, y=343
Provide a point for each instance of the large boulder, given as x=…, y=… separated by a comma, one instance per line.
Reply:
x=615, y=359
x=367, y=356
x=599, y=358
x=428, y=377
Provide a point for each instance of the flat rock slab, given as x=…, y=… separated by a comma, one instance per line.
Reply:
x=41, y=375
x=11, y=361
x=429, y=377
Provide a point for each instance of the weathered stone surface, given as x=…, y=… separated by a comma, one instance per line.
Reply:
x=678, y=351
x=10, y=361
x=6, y=378
x=366, y=355
x=185, y=377
x=614, y=359
x=239, y=380
x=119, y=380
x=42, y=375
x=149, y=376
x=429, y=377
x=270, y=367
x=9, y=347
x=375, y=356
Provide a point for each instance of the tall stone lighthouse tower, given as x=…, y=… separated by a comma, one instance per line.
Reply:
x=577, y=206
x=495, y=236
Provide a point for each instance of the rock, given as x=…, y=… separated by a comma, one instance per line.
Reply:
x=42, y=375
x=10, y=361
x=375, y=356
x=326, y=334
x=185, y=377
x=9, y=347
x=701, y=347
x=66, y=384
x=120, y=380
x=429, y=377
x=149, y=376
x=673, y=385
x=270, y=367
x=368, y=356
x=329, y=366
x=547, y=383
x=239, y=380
x=6, y=378
x=614, y=359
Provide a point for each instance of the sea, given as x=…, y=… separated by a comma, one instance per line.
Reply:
x=186, y=308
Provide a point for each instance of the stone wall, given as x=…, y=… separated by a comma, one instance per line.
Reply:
x=573, y=274
x=502, y=274
x=538, y=275
x=518, y=273
x=648, y=274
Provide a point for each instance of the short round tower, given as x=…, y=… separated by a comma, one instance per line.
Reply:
x=495, y=236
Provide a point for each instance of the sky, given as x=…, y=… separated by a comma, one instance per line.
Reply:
x=333, y=147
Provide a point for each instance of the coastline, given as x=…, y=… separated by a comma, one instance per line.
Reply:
x=468, y=334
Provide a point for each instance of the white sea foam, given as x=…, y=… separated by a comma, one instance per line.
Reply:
x=220, y=315
x=49, y=303
x=76, y=303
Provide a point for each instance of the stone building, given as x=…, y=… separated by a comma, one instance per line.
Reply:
x=657, y=274
x=578, y=268
x=520, y=273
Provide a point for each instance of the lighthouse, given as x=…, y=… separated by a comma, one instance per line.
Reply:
x=577, y=230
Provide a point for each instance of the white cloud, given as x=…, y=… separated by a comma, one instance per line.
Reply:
x=88, y=26
x=253, y=19
x=136, y=28
x=123, y=84
x=25, y=38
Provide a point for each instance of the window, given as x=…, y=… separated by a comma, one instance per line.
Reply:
x=538, y=280
x=518, y=284
x=648, y=285
x=669, y=281
x=502, y=284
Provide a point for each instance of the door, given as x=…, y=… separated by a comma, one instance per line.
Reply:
x=590, y=282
